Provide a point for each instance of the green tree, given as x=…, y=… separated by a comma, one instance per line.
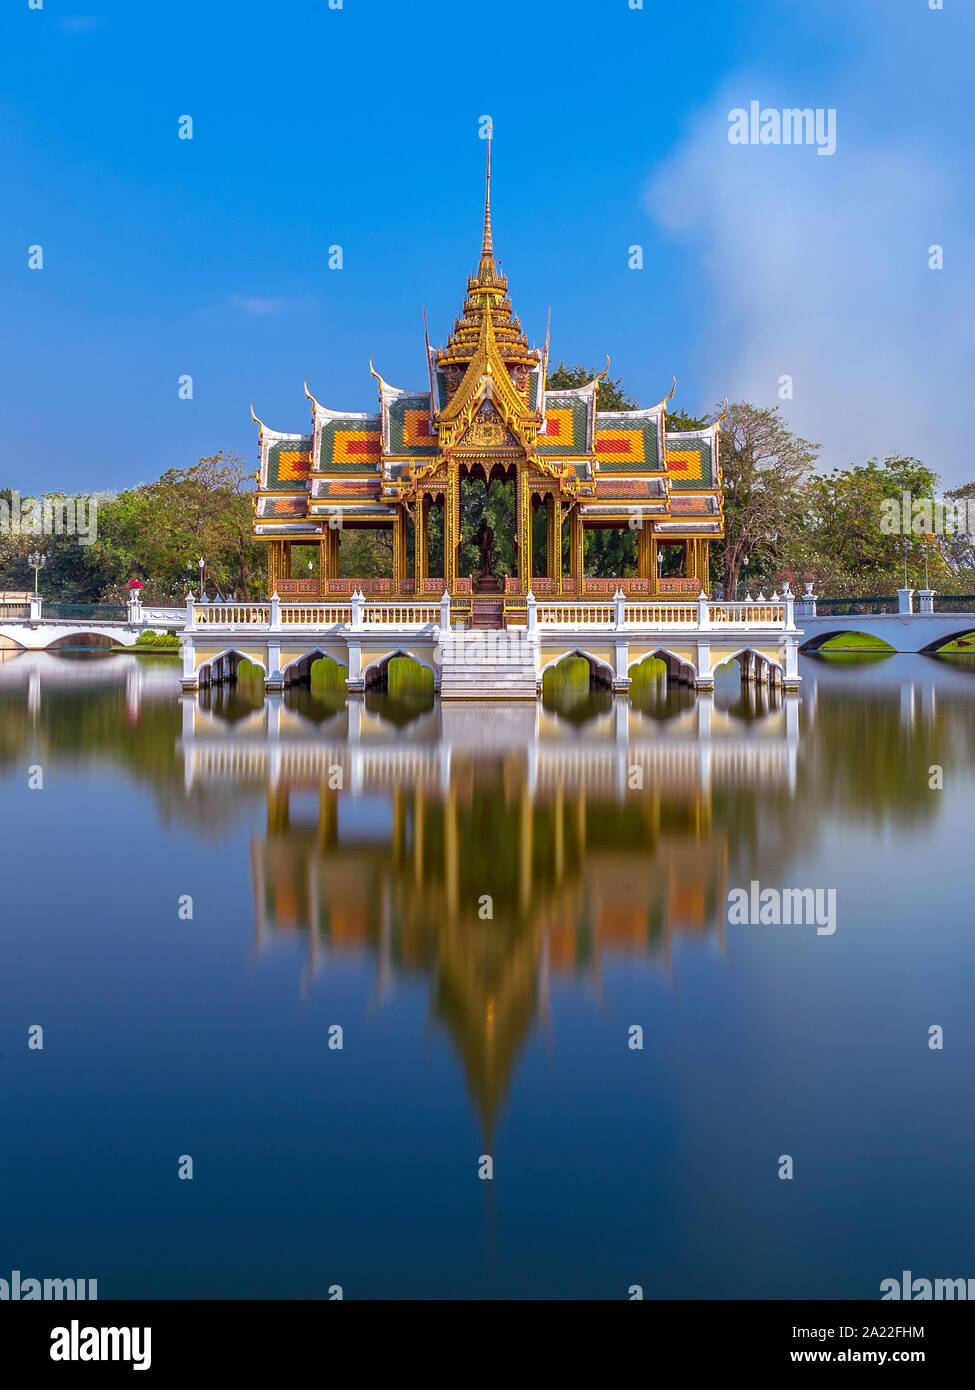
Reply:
x=959, y=547
x=841, y=541
x=611, y=394
x=764, y=469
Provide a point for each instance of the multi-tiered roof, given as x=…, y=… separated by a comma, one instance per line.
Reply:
x=487, y=393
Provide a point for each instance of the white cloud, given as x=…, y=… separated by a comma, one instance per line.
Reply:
x=817, y=268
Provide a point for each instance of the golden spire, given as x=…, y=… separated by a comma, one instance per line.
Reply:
x=487, y=271
x=426, y=340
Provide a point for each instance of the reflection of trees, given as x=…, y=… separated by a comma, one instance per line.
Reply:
x=96, y=724
x=14, y=728
x=869, y=758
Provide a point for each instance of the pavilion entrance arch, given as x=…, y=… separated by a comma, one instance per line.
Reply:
x=484, y=481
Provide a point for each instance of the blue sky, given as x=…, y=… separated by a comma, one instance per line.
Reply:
x=359, y=127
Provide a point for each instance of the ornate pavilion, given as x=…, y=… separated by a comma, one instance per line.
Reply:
x=488, y=416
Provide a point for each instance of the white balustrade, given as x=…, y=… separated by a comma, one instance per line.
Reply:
x=275, y=614
x=700, y=615
x=617, y=613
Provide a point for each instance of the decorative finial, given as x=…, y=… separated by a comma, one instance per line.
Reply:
x=486, y=272
x=379, y=380
x=259, y=423
x=670, y=397
x=426, y=339
x=487, y=243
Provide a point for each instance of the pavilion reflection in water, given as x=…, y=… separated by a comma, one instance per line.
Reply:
x=384, y=842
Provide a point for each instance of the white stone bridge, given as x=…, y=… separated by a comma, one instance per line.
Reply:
x=693, y=637
x=910, y=625
x=33, y=628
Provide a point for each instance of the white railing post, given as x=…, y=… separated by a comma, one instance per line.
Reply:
x=927, y=601
x=275, y=614
x=445, y=611
x=134, y=614
x=791, y=680
x=806, y=605
x=703, y=612
x=619, y=608
x=532, y=604
x=36, y=601
x=356, y=600
x=905, y=600
x=190, y=680
x=789, y=602
x=190, y=611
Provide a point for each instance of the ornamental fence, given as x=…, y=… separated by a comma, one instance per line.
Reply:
x=86, y=612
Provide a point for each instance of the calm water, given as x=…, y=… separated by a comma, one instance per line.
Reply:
x=336, y=860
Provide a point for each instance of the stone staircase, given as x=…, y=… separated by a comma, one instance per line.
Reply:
x=487, y=665
x=487, y=614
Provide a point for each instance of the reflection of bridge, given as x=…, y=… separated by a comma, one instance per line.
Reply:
x=381, y=843
x=364, y=754
x=42, y=671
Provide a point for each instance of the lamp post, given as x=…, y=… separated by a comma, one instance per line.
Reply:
x=744, y=565
x=37, y=561
x=201, y=565
x=906, y=549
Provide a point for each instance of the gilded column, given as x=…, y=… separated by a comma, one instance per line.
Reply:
x=553, y=539
x=643, y=548
x=421, y=542
x=282, y=569
x=576, y=547
x=399, y=550
x=520, y=526
x=451, y=527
